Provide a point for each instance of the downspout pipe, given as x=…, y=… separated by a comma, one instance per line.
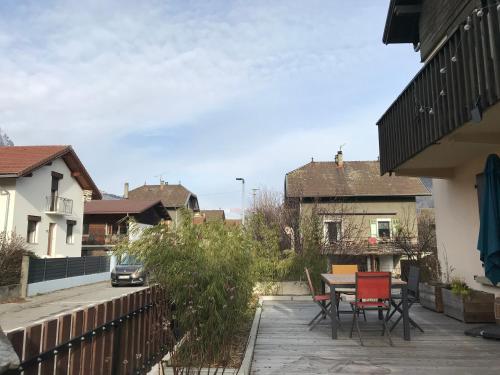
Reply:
x=6, y=192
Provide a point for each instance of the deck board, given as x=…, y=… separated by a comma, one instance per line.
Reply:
x=285, y=345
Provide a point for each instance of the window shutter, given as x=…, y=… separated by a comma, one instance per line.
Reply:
x=394, y=226
x=373, y=228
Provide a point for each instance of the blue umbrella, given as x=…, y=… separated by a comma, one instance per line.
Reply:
x=489, y=230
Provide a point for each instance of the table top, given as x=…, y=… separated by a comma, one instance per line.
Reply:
x=350, y=280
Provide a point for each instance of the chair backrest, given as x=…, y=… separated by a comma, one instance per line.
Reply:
x=413, y=280
x=344, y=269
x=309, y=282
x=373, y=285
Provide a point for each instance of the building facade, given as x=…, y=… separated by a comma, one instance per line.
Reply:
x=445, y=123
x=360, y=211
x=42, y=191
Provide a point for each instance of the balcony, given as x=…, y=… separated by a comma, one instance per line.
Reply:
x=447, y=113
x=55, y=205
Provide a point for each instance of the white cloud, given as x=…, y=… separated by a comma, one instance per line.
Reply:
x=93, y=73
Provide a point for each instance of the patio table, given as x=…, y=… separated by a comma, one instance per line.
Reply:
x=349, y=281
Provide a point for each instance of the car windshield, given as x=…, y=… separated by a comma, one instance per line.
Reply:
x=128, y=260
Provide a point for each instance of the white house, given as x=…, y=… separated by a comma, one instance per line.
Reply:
x=42, y=191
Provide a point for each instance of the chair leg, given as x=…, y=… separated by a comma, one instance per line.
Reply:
x=359, y=331
x=397, y=307
x=316, y=317
x=353, y=321
x=386, y=329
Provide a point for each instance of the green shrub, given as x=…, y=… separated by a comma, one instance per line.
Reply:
x=12, y=249
x=207, y=271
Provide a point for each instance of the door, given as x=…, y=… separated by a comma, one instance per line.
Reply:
x=51, y=243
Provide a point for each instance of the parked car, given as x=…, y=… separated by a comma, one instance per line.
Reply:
x=128, y=271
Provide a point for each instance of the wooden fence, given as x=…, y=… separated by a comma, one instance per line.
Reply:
x=127, y=335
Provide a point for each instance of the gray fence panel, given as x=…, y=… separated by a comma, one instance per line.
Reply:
x=76, y=266
x=36, y=270
x=55, y=269
x=60, y=268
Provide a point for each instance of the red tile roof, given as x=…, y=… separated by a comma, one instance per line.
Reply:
x=18, y=161
x=123, y=206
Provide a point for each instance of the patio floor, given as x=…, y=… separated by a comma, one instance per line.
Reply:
x=285, y=345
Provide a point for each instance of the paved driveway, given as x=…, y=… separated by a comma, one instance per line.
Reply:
x=13, y=315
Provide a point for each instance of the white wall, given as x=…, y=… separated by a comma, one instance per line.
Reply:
x=7, y=197
x=30, y=199
x=457, y=223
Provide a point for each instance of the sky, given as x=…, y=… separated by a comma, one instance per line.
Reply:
x=199, y=92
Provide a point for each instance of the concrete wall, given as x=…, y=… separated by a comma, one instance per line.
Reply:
x=70, y=282
x=457, y=223
x=29, y=198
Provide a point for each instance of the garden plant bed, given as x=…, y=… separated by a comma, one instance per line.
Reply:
x=431, y=297
x=478, y=307
x=239, y=361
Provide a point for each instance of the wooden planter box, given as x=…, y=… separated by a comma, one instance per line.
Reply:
x=478, y=307
x=430, y=296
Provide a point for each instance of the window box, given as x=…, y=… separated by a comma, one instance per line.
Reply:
x=431, y=297
x=478, y=307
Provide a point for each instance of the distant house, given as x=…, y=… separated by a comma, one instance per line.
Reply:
x=106, y=222
x=360, y=210
x=173, y=197
x=42, y=190
x=213, y=215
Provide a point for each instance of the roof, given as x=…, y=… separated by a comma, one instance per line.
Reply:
x=19, y=161
x=402, y=23
x=354, y=179
x=170, y=195
x=123, y=206
x=213, y=215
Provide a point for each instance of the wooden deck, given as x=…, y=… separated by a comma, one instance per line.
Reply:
x=286, y=346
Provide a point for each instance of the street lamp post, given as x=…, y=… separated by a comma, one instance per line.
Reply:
x=242, y=199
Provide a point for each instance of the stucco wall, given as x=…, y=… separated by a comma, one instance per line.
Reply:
x=403, y=211
x=7, y=198
x=30, y=199
x=457, y=223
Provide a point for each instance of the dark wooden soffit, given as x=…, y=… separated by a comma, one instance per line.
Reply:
x=459, y=83
x=402, y=21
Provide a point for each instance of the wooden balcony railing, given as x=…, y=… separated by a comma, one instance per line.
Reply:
x=455, y=86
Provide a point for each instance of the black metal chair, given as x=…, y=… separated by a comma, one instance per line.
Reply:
x=397, y=300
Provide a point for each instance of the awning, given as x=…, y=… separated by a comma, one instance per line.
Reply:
x=489, y=230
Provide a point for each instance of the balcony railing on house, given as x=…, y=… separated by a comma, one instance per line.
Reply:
x=58, y=205
x=454, y=87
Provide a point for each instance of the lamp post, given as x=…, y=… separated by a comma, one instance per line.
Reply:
x=242, y=199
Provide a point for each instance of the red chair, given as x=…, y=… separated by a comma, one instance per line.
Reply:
x=373, y=292
x=322, y=300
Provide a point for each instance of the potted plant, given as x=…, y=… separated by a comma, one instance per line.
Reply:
x=468, y=305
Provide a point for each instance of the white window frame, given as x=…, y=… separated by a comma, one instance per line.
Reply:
x=35, y=234
x=325, y=229
x=390, y=227
x=70, y=240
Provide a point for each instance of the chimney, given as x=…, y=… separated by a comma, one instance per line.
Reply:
x=339, y=159
x=125, y=190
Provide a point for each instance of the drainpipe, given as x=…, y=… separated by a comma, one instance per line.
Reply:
x=5, y=192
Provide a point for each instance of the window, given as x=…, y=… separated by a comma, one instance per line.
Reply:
x=333, y=231
x=86, y=228
x=32, y=233
x=384, y=228
x=70, y=225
